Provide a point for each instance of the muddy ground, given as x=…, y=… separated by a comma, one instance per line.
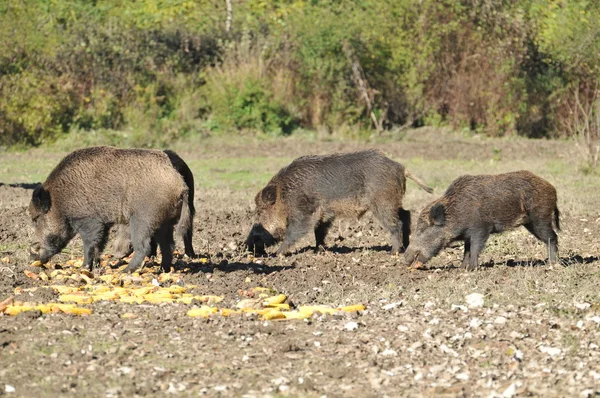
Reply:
x=536, y=334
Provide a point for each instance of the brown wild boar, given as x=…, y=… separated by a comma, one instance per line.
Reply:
x=474, y=207
x=91, y=189
x=122, y=244
x=308, y=194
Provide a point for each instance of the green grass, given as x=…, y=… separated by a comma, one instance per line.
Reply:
x=27, y=167
x=235, y=173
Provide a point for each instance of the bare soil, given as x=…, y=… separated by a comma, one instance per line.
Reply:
x=537, y=333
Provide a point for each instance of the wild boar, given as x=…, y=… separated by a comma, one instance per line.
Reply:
x=308, y=194
x=122, y=244
x=474, y=207
x=91, y=189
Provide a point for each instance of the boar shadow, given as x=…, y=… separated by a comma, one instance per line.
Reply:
x=227, y=267
x=564, y=261
x=24, y=185
x=344, y=249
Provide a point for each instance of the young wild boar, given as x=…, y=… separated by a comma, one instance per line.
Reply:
x=312, y=191
x=122, y=244
x=474, y=207
x=91, y=189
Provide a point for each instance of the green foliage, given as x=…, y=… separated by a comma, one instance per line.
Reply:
x=157, y=70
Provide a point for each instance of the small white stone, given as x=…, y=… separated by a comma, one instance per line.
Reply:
x=402, y=328
x=552, y=351
x=475, y=323
x=155, y=282
x=388, y=352
x=447, y=350
x=429, y=304
x=9, y=389
x=391, y=306
x=350, y=326
x=462, y=376
x=518, y=355
x=595, y=319
x=500, y=320
x=582, y=306
x=510, y=391
x=474, y=300
x=595, y=375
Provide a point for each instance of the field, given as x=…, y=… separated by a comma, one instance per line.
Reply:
x=537, y=333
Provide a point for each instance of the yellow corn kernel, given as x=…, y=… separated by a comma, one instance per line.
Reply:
x=75, y=298
x=273, y=314
x=280, y=298
x=352, y=308
x=203, y=311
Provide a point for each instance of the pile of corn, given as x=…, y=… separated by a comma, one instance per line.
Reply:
x=148, y=287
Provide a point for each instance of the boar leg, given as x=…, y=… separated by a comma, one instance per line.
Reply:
x=140, y=239
x=153, y=247
x=297, y=228
x=164, y=237
x=467, y=255
x=94, y=235
x=476, y=245
x=187, y=243
x=320, y=233
x=545, y=233
x=404, y=216
x=390, y=221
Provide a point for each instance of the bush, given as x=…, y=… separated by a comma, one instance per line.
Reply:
x=157, y=73
x=246, y=92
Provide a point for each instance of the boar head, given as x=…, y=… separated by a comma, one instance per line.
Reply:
x=429, y=237
x=270, y=220
x=52, y=229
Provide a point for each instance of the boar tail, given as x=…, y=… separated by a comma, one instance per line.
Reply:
x=557, y=218
x=185, y=226
x=416, y=179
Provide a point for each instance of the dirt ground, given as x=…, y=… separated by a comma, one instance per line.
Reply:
x=536, y=333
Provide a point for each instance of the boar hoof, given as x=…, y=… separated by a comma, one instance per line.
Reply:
x=130, y=269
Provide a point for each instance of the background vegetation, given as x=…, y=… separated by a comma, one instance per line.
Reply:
x=144, y=73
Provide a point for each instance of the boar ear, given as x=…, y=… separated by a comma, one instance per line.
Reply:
x=269, y=195
x=41, y=199
x=437, y=215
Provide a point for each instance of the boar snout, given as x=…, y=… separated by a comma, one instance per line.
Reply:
x=38, y=253
x=259, y=238
x=34, y=251
x=413, y=258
